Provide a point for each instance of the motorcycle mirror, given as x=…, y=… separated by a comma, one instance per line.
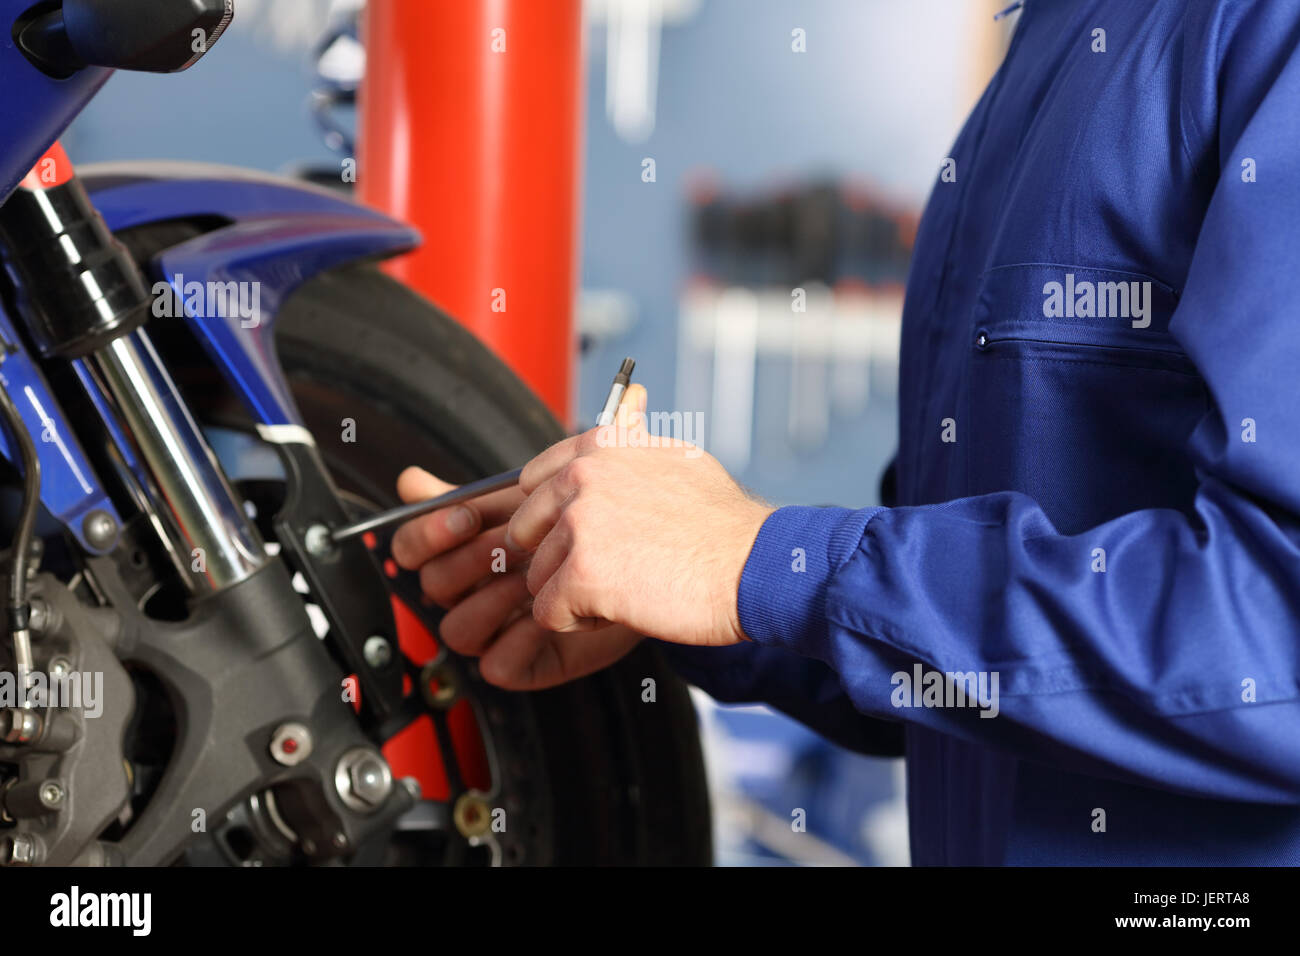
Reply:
x=151, y=36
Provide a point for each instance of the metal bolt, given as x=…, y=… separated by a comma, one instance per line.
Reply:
x=20, y=849
x=367, y=780
x=51, y=794
x=318, y=540
x=340, y=840
x=439, y=684
x=412, y=786
x=42, y=617
x=19, y=725
x=363, y=779
x=377, y=651
x=60, y=667
x=35, y=551
x=99, y=528
x=291, y=744
x=472, y=815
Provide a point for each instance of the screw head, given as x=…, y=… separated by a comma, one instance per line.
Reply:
x=318, y=541
x=99, y=528
x=42, y=615
x=51, y=794
x=60, y=667
x=291, y=744
x=377, y=651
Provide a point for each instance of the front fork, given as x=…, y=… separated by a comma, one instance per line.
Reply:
x=81, y=295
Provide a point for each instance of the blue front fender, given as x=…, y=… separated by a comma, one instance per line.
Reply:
x=279, y=234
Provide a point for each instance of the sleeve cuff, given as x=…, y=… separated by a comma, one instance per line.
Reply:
x=782, y=597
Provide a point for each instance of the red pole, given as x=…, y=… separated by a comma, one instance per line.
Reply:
x=470, y=130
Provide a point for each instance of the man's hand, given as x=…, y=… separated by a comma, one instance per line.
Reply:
x=639, y=530
x=489, y=611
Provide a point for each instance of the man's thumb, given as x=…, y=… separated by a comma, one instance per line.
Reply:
x=631, y=410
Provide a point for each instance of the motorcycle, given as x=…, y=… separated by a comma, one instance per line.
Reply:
x=202, y=367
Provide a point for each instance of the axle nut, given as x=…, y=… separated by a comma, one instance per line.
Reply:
x=363, y=779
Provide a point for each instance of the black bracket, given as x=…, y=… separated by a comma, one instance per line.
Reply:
x=346, y=582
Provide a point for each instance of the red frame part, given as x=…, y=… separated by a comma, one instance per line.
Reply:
x=470, y=118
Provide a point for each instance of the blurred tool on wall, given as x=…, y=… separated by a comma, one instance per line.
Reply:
x=811, y=276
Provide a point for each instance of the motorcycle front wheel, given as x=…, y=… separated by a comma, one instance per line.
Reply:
x=592, y=772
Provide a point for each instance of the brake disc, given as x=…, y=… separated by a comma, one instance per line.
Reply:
x=460, y=816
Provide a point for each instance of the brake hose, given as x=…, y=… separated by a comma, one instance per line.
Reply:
x=20, y=609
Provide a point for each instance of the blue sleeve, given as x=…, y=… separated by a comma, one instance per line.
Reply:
x=1179, y=665
x=800, y=687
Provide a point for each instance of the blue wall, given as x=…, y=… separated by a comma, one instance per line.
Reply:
x=877, y=96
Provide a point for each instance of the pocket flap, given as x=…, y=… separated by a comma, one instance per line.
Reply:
x=1088, y=306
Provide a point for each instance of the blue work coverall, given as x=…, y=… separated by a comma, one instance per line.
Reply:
x=1097, y=500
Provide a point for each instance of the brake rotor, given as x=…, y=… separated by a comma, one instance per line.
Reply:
x=472, y=750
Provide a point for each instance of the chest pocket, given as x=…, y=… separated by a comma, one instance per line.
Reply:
x=1078, y=395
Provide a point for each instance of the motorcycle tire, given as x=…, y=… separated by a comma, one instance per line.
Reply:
x=609, y=778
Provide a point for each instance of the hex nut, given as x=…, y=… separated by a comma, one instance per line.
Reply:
x=363, y=779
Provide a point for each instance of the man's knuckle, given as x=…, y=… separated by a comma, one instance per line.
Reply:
x=578, y=472
x=431, y=534
x=579, y=569
x=457, y=637
x=568, y=521
x=517, y=537
x=403, y=551
x=546, y=614
x=534, y=579
x=434, y=583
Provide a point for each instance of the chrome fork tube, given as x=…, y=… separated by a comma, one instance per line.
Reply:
x=202, y=515
x=81, y=294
